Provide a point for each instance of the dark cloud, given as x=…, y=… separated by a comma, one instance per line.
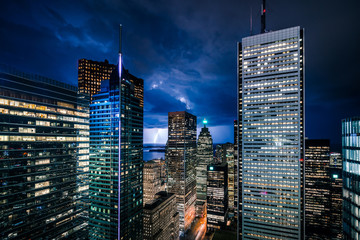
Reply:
x=186, y=51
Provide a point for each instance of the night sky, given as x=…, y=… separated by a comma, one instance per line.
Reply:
x=186, y=52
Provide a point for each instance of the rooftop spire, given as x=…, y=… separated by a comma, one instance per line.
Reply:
x=263, y=11
x=120, y=36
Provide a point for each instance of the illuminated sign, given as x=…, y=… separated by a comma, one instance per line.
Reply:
x=211, y=168
x=335, y=176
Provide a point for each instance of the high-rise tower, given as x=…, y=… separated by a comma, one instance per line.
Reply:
x=351, y=179
x=204, y=155
x=271, y=134
x=116, y=158
x=181, y=159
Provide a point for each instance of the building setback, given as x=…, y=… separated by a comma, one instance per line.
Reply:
x=91, y=73
x=44, y=142
x=161, y=219
x=351, y=176
x=271, y=134
x=317, y=189
x=180, y=157
x=204, y=157
x=116, y=133
x=217, y=196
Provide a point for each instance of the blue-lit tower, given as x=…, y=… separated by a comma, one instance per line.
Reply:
x=116, y=160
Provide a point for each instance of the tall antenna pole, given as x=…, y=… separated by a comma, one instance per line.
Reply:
x=251, y=23
x=120, y=36
x=119, y=146
x=263, y=11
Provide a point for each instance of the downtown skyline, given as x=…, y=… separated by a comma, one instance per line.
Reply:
x=186, y=53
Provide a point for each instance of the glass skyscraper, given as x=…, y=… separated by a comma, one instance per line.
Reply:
x=116, y=136
x=204, y=157
x=181, y=159
x=44, y=157
x=271, y=134
x=351, y=177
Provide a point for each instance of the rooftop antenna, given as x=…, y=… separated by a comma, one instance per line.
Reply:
x=120, y=32
x=251, y=23
x=263, y=11
x=120, y=51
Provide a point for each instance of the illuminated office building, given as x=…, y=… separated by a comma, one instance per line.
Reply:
x=335, y=172
x=44, y=142
x=351, y=177
x=180, y=157
x=317, y=188
x=151, y=180
x=91, y=73
x=217, y=196
x=237, y=177
x=271, y=134
x=161, y=219
x=225, y=154
x=112, y=128
x=204, y=155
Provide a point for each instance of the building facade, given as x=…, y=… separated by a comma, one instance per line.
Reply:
x=336, y=202
x=351, y=177
x=91, y=73
x=116, y=160
x=271, y=134
x=161, y=219
x=151, y=180
x=44, y=142
x=180, y=157
x=217, y=196
x=317, y=189
x=204, y=157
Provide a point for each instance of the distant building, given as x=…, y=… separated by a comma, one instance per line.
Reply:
x=116, y=159
x=204, y=155
x=181, y=160
x=335, y=172
x=317, y=188
x=161, y=219
x=217, y=196
x=271, y=146
x=351, y=179
x=225, y=154
x=151, y=180
x=44, y=158
x=91, y=73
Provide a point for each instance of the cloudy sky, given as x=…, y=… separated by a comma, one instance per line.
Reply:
x=186, y=52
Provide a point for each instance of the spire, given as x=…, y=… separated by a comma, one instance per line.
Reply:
x=205, y=122
x=120, y=38
x=263, y=11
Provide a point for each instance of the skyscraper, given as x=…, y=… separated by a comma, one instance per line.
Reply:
x=317, y=189
x=181, y=159
x=335, y=172
x=351, y=179
x=161, y=219
x=151, y=180
x=271, y=134
x=217, y=196
x=116, y=158
x=204, y=155
x=91, y=73
x=44, y=141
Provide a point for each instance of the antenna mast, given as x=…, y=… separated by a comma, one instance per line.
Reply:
x=263, y=11
x=251, y=23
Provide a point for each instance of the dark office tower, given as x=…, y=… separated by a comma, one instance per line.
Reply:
x=91, y=73
x=271, y=134
x=204, y=155
x=116, y=159
x=317, y=189
x=44, y=140
x=217, y=196
x=335, y=172
x=225, y=154
x=161, y=219
x=351, y=177
x=181, y=159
